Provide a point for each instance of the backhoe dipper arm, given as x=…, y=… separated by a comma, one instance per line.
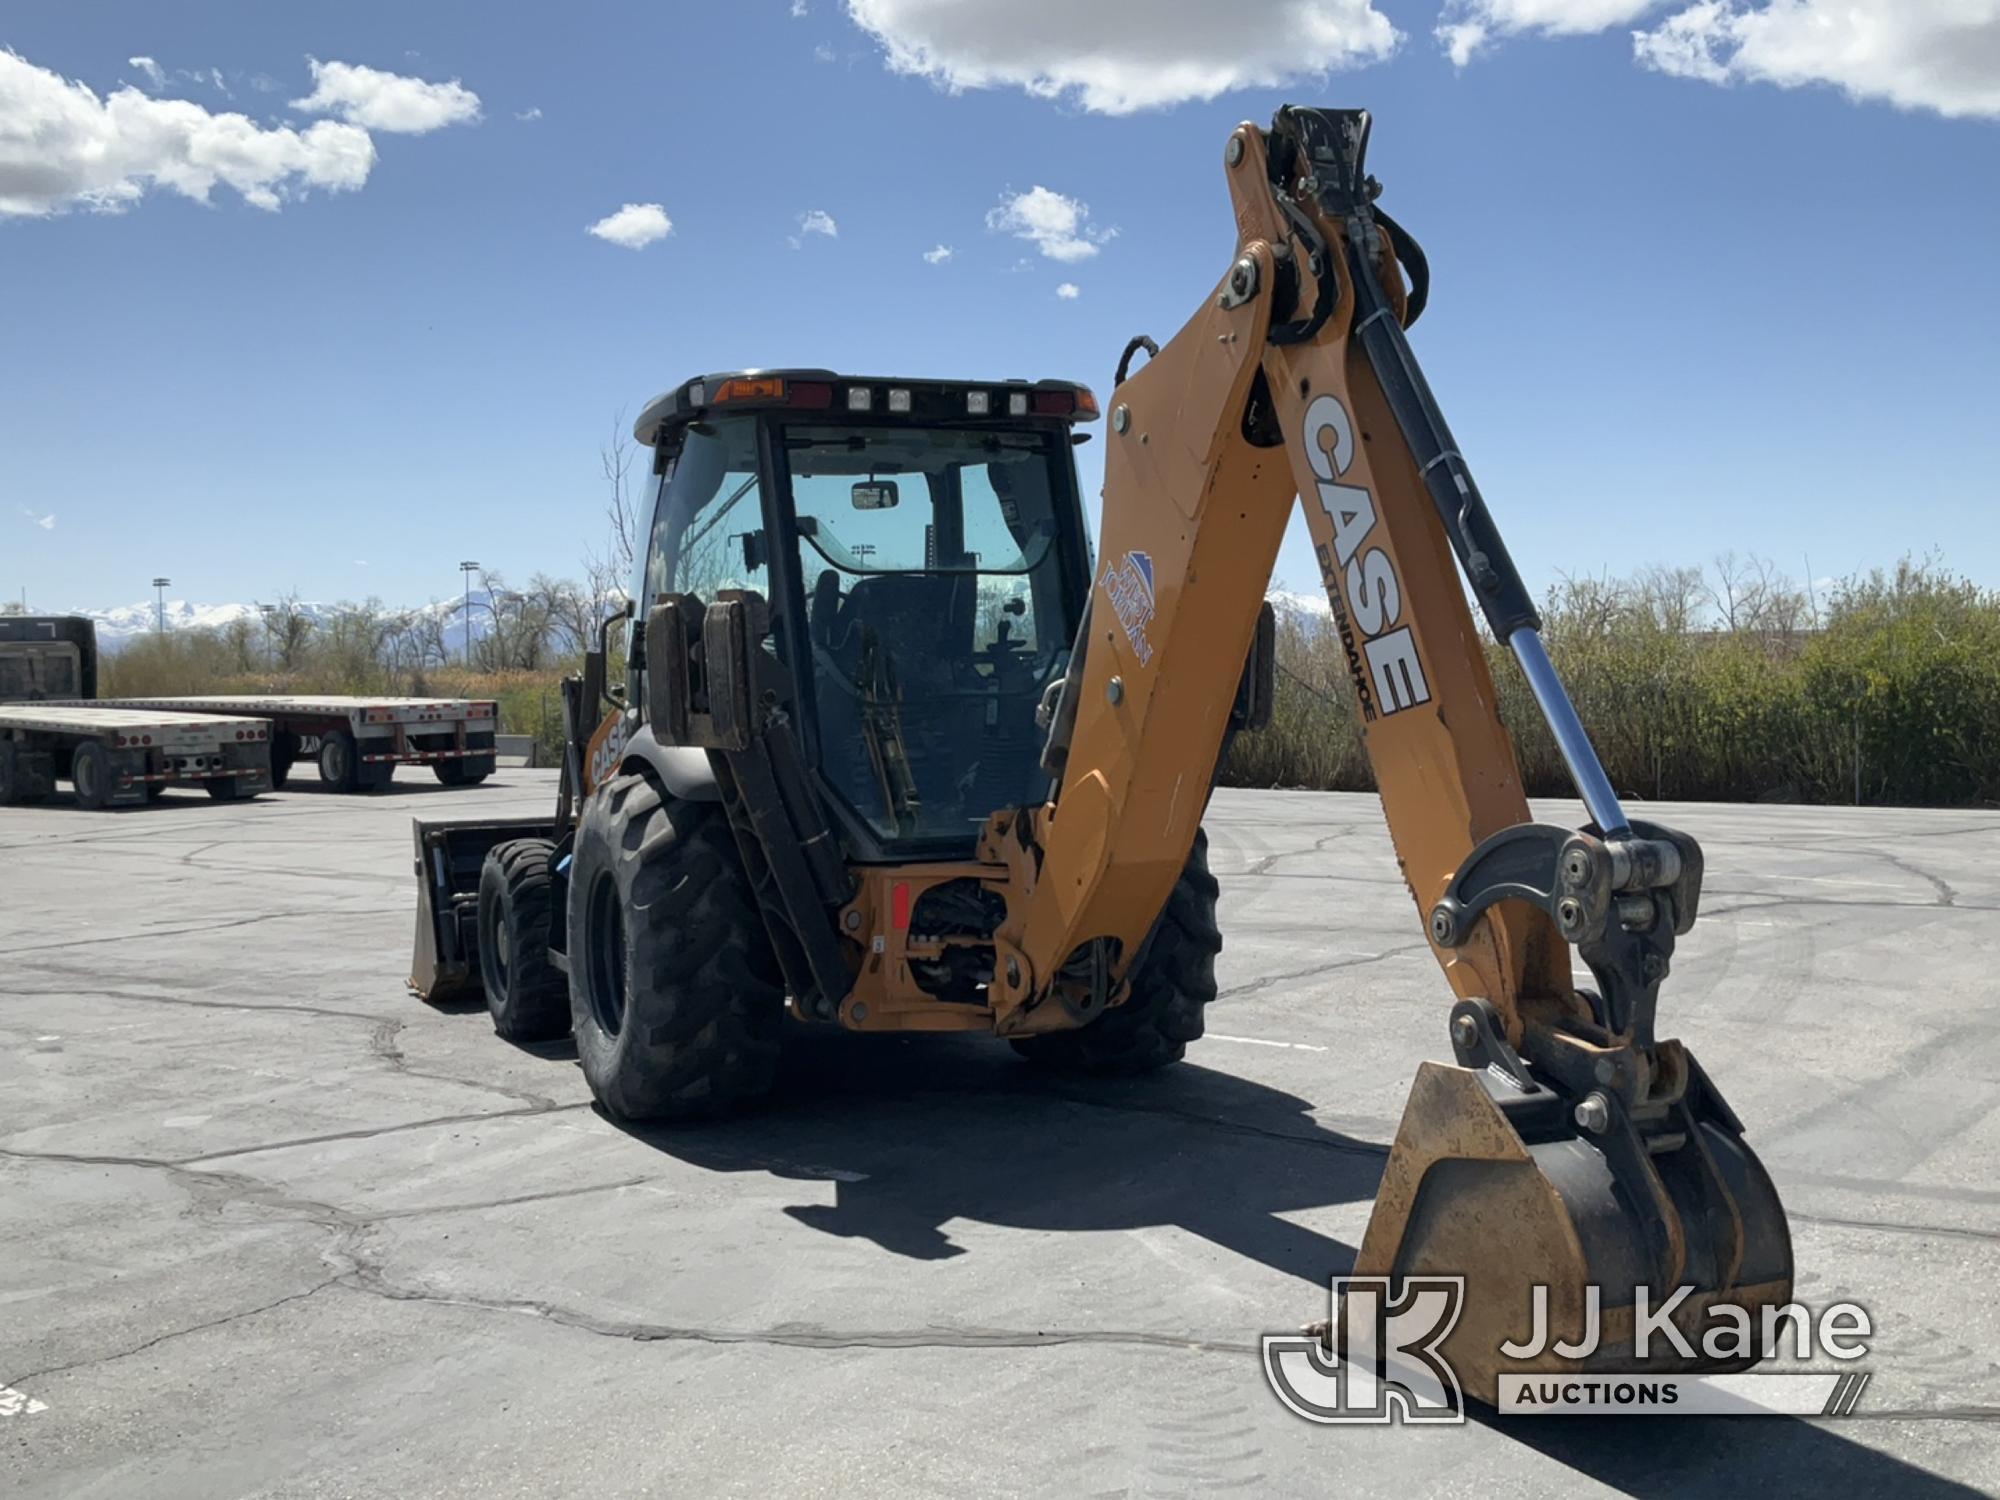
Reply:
x=1570, y=1148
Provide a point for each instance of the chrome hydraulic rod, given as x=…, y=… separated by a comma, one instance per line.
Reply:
x=1577, y=752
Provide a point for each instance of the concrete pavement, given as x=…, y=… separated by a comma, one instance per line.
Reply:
x=269, y=1226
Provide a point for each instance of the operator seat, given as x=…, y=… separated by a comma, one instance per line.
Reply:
x=923, y=621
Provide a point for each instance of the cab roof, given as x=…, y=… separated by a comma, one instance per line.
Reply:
x=872, y=398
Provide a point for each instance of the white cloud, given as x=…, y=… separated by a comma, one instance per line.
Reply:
x=635, y=226
x=1059, y=227
x=1117, y=56
x=1467, y=26
x=154, y=75
x=825, y=53
x=62, y=146
x=819, y=221
x=1942, y=55
x=1069, y=291
x=534, y=112
x=386, y=101
x=939, y=255
x=47, y=522
x=798, y=10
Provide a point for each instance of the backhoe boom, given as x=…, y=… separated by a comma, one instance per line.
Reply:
x=1296, y=378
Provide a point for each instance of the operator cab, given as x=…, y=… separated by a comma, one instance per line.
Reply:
x=923, y=550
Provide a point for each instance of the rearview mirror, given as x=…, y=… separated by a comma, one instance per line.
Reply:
x=876, y=494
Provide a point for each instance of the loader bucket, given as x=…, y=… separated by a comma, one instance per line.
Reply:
x=444, y=954
x=1510, y=1192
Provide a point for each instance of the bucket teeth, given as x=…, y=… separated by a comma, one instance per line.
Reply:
x=1534, y=1210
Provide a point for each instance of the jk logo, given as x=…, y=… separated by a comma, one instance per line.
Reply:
x=1384, y=1365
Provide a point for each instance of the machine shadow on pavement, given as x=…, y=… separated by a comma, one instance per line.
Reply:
x=916, y=1132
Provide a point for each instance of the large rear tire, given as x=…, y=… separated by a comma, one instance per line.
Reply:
x=675, y=996
x=526, y=995
x=1170, y=992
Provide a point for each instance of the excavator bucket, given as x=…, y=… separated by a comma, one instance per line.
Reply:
x=1495, y=1179
x=444, y=952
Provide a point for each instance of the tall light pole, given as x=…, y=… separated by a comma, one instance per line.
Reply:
x=160, y=586
x=270, y=650
x=468, y=569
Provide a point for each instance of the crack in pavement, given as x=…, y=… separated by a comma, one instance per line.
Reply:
x=383, y=1045
x=367, y=1279
x=1263, y=865
x=136, y=998
x=1265, y=981
x=173, y=1333
x=369, y=1133
x=320, y=914
x=1951, y=1231
x=1946, y=895
x=1763, y=901
x=791, y=1336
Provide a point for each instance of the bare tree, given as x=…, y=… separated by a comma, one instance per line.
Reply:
x=519, y=638
x=241, y=639
x=571, y=610
x=290, y=629
x=1751, y=594
x=1587, y=607
x=608, y=572
x=1672, y=596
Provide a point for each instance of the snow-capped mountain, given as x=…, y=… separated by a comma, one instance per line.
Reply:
x=1288, y=602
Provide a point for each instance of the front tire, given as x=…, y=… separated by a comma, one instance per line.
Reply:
x=1170, y=992
x=527, y=997
x=675, y=996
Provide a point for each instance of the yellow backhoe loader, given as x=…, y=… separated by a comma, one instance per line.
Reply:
x=894, y=754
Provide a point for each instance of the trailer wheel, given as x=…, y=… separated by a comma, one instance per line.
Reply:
x=90, y=775
x=338, y=761
x=228, y=789
x=1174, y=984
x=675, y=996
x=343, y=770
x=528, y=998
x=458, y=772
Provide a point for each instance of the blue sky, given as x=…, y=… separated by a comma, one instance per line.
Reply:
x=1730, y=287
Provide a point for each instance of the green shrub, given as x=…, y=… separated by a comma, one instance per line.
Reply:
x=1894, y=687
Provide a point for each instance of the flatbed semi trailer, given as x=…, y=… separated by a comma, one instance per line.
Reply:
x=358, y=742
x=124, y=757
